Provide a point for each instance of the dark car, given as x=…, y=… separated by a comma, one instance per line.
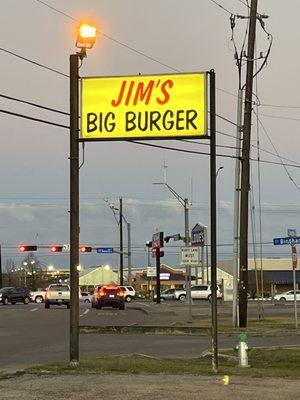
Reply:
x=14, y=294
x=110, y=296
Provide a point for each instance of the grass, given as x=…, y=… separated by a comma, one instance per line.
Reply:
x=264, y=363
x=254, y=326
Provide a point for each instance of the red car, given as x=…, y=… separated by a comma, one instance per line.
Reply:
x=109, y=296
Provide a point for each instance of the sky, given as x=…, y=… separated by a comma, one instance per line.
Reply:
x=141, y=37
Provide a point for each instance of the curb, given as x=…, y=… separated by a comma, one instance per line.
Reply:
x=154, y=330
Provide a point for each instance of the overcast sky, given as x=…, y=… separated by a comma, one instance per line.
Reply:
x=181, y=36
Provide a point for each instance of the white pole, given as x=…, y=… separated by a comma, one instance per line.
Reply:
x=237, y=191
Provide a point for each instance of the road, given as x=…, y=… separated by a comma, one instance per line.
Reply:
x=31, y=335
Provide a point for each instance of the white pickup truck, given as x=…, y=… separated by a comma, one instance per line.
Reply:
x=38, y=296
x=57, y=294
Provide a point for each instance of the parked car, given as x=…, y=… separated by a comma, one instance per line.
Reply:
x=287, y=296
x=86, y=297
x=197, y=292
x=204, y=292
x=129, y=293
x=57, y=294
x=110, y=296
x=14, y=295
x=172, y=294
x=38, y=295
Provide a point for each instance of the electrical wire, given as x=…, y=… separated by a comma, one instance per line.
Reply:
x=272, y=144
x=279, y=106
x=33, y=104
x=147, y=144
x=33, y=119
x=222, y=7
x=33, y=62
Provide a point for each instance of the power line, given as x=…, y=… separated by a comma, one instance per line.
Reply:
x=33, y=62
x=284, y=165
x=222, y=7
x=34, y=119
x=144, y=144
x=279, y=117
x=279, y=106
x=33, y=104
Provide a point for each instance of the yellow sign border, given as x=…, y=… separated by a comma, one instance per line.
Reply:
x=153, y=137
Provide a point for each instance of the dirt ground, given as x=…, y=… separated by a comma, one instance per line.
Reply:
x=134, y=387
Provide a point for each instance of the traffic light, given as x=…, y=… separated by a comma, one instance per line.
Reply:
x=24, y=247
x=85, y=249
x=56, y=249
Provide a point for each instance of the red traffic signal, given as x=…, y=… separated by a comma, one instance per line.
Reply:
x=56, y=249
x=85, y=249
x=24, y=247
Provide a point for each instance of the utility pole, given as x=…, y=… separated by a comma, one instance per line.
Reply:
x=121, y=242
x=129, y=251
x=245, y=181
x=187, y=243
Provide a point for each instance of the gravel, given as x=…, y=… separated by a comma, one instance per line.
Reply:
x=136, y=387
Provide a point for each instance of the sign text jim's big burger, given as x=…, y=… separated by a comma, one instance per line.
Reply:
x=144, y=107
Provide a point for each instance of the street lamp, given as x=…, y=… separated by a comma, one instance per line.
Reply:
x=119, y=221
x=85, y=40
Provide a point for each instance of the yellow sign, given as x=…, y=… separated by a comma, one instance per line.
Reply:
x=144, y=107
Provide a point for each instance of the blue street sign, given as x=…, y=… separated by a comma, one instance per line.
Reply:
x=286, y=240
x=105, y=250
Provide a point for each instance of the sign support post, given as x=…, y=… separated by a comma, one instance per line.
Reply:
x=74, y=209
x=294, y=263
x=213, y=221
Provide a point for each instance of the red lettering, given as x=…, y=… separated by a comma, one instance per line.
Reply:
x=129, y=93
x=166, y=95
x=141, y=93
x=115, y=103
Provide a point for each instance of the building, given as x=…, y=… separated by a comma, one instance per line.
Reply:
x=275, y=276
x=170, y=278
x=93, y=276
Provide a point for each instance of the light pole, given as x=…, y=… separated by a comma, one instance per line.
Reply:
x=85, y=40
x=185, y=204
x=120, y=224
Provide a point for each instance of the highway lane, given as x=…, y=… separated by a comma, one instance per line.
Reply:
x=31, y=335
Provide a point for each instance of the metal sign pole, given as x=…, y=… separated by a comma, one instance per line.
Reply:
x=294, y=264
x=213, y=222
x=74, y=210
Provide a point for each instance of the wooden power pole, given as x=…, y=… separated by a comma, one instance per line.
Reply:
x=245, y=181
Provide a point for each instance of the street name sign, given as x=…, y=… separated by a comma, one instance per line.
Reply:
x=286, y=240
x=144, y=107
x=105, y=250
x=190, y=256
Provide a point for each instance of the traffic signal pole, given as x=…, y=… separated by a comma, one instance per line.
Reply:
x=157, y=256
x=74, y=209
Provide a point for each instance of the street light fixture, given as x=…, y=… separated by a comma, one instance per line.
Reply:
x=119, y=210
x=85, y=40
x=86, y=36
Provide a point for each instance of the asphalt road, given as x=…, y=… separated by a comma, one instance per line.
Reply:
x=31, y=335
